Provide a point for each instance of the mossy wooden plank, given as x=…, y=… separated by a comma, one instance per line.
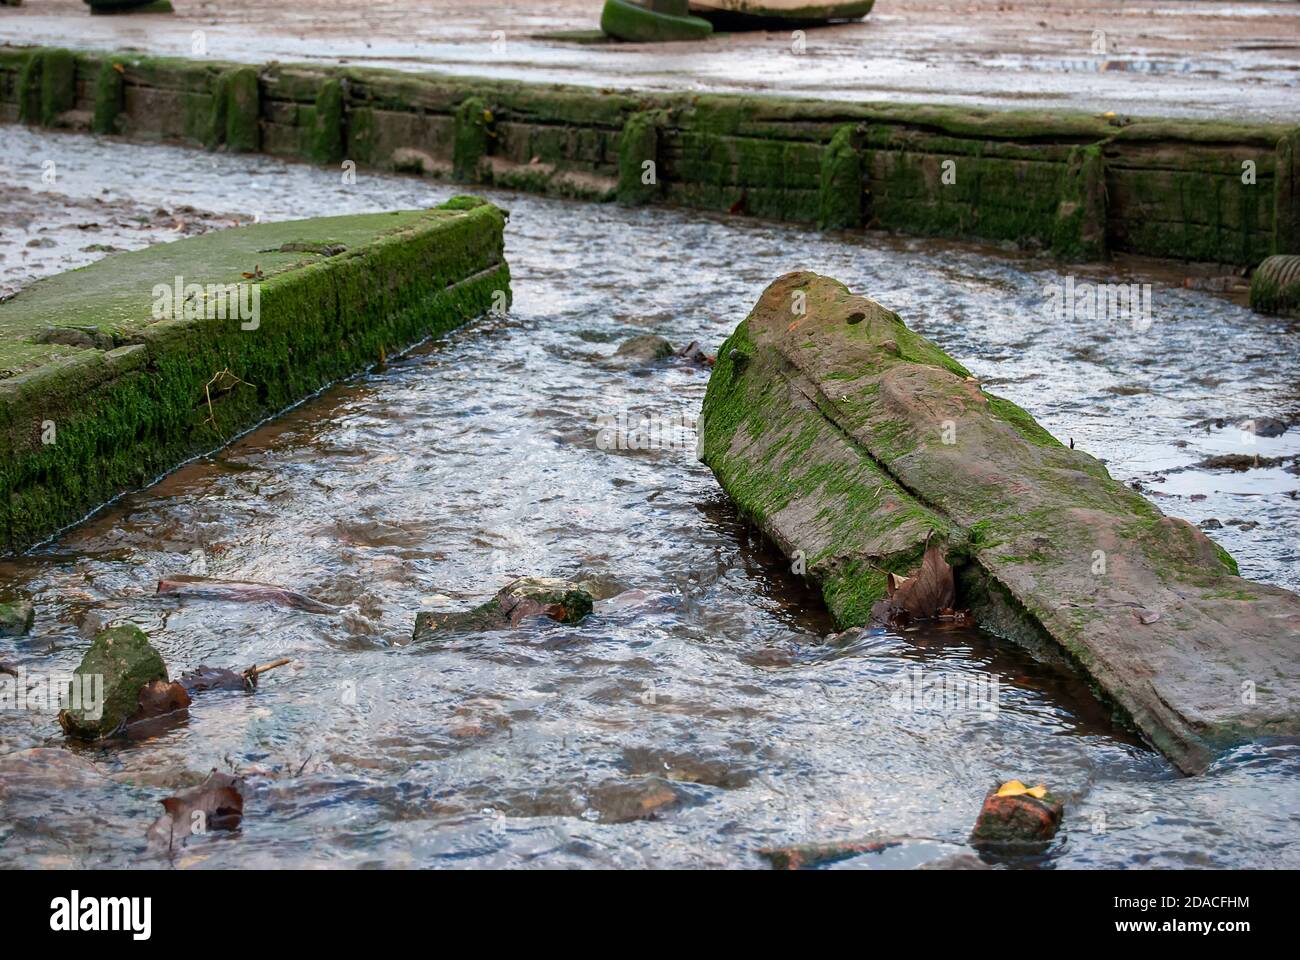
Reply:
x=850, y=441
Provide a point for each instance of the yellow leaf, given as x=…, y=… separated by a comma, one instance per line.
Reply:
x=1012, y=788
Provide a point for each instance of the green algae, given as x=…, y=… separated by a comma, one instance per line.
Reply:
x=470, y=140
x=839, y=196
x=236, y=111
x=110, y=97
x=328, y=138
x=638, y=145
x=1079, y=186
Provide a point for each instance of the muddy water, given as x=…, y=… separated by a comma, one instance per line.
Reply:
x=714, y=705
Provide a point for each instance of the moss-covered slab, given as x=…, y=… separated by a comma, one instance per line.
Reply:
x=851, y=441
x=113, y=374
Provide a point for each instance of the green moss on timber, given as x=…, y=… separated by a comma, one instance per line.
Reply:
x=1286, y=195
x=1080, y=229
x=1171, y=188
x=125, y=416
x=58, y=84
x=851, y=591
x=1019, y=418
x=638, y=144
x=239, y=110
x=869, y=506
x=327, y=135
x=470, y=139
x=110, y=94
x=839, y=197
x=1227, y=559
x=29, y=88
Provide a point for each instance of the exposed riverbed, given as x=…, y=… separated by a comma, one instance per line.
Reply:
x=718, y=708
x=1159, y=58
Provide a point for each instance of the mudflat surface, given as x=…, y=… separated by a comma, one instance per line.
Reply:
x=1239, y=60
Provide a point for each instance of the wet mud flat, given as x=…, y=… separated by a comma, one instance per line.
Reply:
x=1172, y=58
x=692, y=731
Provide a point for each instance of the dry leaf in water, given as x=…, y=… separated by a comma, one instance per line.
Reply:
x=928, y=594
x=215, y=804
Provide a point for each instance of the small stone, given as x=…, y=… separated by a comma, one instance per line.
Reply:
x=127, y=662
x=1210, y=524
x=1011, y=819
x=622, y=801
x=561, y=600
x=1264, y=426
x=16, y=617
x=647, y=348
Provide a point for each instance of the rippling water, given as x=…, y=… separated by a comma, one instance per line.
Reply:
x=714, y=705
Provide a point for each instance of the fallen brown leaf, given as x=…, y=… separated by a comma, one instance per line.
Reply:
x=215, y=804
x=928, y=594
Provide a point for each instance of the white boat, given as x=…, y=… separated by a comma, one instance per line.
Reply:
x=756, y=14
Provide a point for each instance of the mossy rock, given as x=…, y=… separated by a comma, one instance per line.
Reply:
x=563, y=601
x=128, y=662
x=636, y=24
x=16, y=618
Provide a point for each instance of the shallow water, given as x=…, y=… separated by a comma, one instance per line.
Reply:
x=716, y=707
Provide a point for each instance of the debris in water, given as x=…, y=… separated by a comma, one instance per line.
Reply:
x=241, y=591
x=929, y=594
x=215, y=804
x=1017, y=816
x=204, y=678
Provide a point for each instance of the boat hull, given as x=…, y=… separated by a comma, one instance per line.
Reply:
x=758, y=14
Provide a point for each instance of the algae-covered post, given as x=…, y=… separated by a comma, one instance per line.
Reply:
x=115, y=373
x=853, y=442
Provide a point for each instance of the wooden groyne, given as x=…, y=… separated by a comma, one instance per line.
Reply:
x=1078, y=186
